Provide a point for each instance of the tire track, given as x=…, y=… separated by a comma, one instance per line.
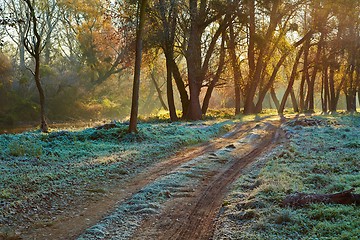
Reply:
x=72, y=224
x=193, y=217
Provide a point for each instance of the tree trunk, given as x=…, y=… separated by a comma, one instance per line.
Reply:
x=138, y=55
x=311, y=86
x=251, y=38
x=169, y=25
x=170, y=91
x=274, y=97
x=194, y=110
x=351, y=101
x=291, y=82
x=235, y=68
x=325, y=89
x=149, y=102
x=249, y=99
x=158, y=90
x=302, y=94
x=303, y=199
x=22, y=51
x=357, y=83
x=256, y=72
x=332, y=96
x=293, y=100
x=262, y=94
x=359, y=95
x=184, y=97
x=350, y=90
x=43, y=126
x=215, y=79
x=305, y=77
x=194, y=63
x=271, y=81
x=35, y=52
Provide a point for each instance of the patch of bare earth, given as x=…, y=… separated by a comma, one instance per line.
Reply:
x=192, y=216
x=74, y=220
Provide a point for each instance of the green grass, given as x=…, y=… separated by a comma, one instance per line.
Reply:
x=317, y=159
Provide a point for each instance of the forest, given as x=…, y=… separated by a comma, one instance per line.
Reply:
x=71, y=60
x=179, y=119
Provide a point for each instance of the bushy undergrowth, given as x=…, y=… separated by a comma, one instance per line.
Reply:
x=321, y=158
x=41, y=173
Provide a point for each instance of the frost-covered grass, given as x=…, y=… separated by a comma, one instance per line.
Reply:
x=124, y=221
x=43, y=173
x=179, y=183
x=317, y=159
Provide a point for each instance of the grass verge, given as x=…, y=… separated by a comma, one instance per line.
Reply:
x=322, y=156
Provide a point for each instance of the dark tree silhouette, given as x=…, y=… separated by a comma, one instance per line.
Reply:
x=136, y=84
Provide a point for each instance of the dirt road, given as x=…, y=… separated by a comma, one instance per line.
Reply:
x=192, y=217
x=187, y=208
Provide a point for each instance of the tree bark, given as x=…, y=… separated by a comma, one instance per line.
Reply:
x=291, y=82
x=351, y=102
x=136, y=84
x=169, y=25
x=262, y=94
x=44, y=125
x=35, y=51
x=169, y=90
x=256, y=70
x=305, y=77
x=274, y=97
x=158, y=90
x=293, y=100
x=311, y=85
x=350, y=90
x=184, y=97
x=332, y=96
x=235, y=68
x=303, y=199
x=149, y=102
x=325, y=89
x=216, y=78
x=193, y=58
x=276, y=69
x=22, y=51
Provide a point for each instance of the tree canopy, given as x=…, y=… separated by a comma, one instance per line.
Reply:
x=243, y=54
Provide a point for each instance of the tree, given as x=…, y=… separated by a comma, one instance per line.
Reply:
x=137, y=70
x=330, y=58
x=235, y=68
x=289, y=88
x=5, y=80
x=103, y=38
x=191, y=30
x=14, y=15
x=215, y=79
x=168, y=41
x=166, y=31
x=266, y=40
x=35, y=48
x=197, y=58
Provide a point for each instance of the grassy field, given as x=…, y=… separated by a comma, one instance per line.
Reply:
x=42, y=174
x=323, y=157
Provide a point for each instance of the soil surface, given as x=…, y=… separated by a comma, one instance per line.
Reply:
x=192, y=216
x=186, y=214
